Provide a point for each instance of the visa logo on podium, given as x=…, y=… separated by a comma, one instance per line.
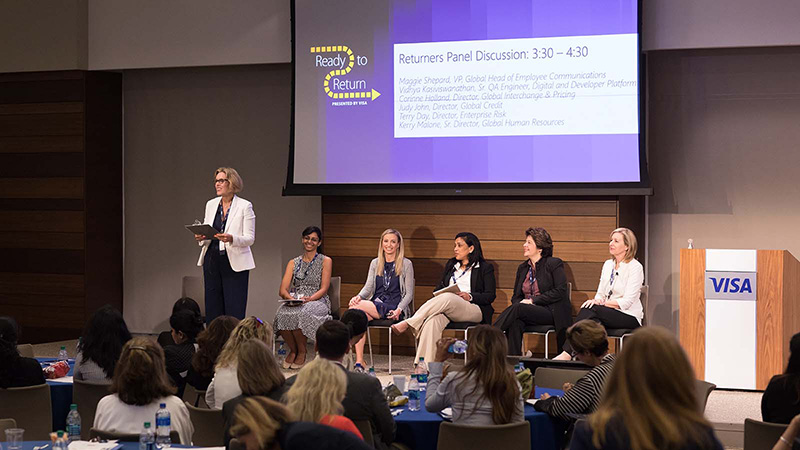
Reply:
x=731, y=285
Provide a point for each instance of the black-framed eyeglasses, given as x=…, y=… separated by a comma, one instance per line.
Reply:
x=221, y=181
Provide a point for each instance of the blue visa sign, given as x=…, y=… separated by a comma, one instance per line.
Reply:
x=731, y=285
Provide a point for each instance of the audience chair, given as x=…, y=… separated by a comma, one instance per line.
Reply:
x=5, y=424
x=31, y=408
x=25, y=350
x=543, y=330
x=515, y=436
x=194, y=397
x=365, y=428
x=761, y=435
x=174, y=437
x=703, y=390
x=209, y=426
x=622, y=333
x=334, y=295
x=87, y=394
x=236, y=444
x=554, y=378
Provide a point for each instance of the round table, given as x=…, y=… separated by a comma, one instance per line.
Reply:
x=420, y=429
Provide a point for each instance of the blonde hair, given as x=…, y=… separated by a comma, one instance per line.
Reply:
x=258, y=372
x=319, y=390
x=233, y=178
x=262, y=417
x=398, y=265
x=248, y=328
x=630, y=240
x=652, y=391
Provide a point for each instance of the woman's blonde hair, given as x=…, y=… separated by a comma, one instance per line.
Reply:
x=262, y=417
x=398, y=264
x=248, y=328
x=233, y=178
x=319, y=390
x=258, y=372
x=651, y=390
x=630, y=240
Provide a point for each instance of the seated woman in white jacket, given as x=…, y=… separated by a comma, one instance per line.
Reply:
x=616, y=303
x=139, y=387
x=225, y=384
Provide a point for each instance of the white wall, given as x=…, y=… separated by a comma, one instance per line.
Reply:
x=125, y=34
x=180, y=125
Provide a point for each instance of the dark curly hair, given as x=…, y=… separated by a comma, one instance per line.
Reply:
x=542, y=240
x=8, y=348
x=210, y=342
x=141, y=375
x=103, y=338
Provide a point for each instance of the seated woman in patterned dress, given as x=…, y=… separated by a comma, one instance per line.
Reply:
x=307, y=278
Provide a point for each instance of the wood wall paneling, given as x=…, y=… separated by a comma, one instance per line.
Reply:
x=61, y=124
x=41, y=144
x=65, y=187
x=42, y=165
x=693, y=308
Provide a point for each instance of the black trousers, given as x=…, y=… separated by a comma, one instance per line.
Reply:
x=514, y=320
x=226, y=290
x=608, y=317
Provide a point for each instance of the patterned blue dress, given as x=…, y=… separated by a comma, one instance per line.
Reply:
x=306, y=278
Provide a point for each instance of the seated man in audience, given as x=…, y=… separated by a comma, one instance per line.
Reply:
x=364, y=398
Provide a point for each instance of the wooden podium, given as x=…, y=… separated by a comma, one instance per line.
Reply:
x=735, y=340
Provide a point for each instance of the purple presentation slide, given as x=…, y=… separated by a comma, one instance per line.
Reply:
x=452, y=91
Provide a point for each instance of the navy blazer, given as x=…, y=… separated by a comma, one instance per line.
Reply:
x=482, y=285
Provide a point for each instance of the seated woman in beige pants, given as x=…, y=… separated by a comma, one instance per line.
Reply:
x=475, y=279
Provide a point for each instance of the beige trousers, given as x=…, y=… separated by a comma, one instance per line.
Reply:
x=430, y=320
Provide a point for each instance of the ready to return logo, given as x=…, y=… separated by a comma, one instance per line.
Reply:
x=730, y=285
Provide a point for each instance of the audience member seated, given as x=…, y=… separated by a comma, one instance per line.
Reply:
x=140, y=384
x=209, y=345
x=485, y=391
x=540, y=293
x=183, y=303
x=649, y=401
x=473, y=303
x=261, y=423
x=258, y=374
x=317, y=394
x=389, y=290
x=100, y=345
x=306, y=278
x=357, y=322
x=781, y=400
x=788, y=440
x=616, y=304
x=15, y=370
x=589, y=343
x=225, y=384
x=185, y=326
x=364, y=398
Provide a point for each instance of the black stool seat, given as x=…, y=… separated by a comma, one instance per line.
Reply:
x=619, y=332
x=539, y=328
x=382, y=323
x=461, y=325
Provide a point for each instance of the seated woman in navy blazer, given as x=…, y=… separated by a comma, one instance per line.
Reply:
x=475, y=279
x=540, y=293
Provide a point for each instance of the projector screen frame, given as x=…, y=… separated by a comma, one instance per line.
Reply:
x=642, y=187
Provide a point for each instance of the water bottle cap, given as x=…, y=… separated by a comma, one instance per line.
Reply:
x=163, y=405
x=63, y=347
x=60, y=433
x=147, y=424
x=421, y=358
x=73, y=407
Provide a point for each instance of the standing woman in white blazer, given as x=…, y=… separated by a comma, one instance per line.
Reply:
x=226, y=259
x=616, y=303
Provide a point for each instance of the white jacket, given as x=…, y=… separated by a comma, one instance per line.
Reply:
x=241, y=225
x=627, y=286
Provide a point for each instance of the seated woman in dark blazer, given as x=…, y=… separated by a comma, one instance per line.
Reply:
x=475, y=279
x=15, y=370
x=540, y=293
x=781, y=401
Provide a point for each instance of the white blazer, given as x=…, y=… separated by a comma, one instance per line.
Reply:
x=628, y=280
x=241, y=225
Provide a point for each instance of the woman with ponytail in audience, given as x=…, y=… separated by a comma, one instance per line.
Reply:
x=474, y=277
x=485, y=391
x=185, y=327
x=140, y=385
x=649, y=401
x=15, y=370
x=357, y=323
x=389, y=290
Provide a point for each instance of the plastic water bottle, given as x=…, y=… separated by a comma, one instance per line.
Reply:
x=281, y=354
x=422, y=374
x=74, y=423
x=60, y=443
x=413, y=393
x=62, y=354
x=519, y=368
x=162, y=426
x=146, y=438
x=372, y=372
x=458, y=347
x=358, y=368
